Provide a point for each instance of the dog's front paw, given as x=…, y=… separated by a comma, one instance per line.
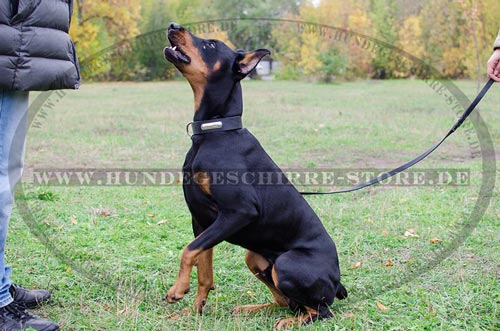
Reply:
x=176, y=293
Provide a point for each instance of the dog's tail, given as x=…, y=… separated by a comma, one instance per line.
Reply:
x=341, y=292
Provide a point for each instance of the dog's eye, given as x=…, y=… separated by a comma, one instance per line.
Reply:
x=209, y=44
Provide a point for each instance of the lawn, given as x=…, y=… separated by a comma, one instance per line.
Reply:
x=418, y=257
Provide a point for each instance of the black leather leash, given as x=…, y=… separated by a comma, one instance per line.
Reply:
x=419, y=158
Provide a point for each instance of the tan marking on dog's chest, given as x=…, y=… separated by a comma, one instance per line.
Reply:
x=202, y=178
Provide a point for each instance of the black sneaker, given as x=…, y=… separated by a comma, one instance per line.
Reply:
x=29, y=298
x=16, y=318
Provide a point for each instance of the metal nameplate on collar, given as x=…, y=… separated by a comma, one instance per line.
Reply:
x=215, y=125
x=211, y=126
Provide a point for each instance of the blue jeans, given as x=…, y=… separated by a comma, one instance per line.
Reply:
x=13, y=128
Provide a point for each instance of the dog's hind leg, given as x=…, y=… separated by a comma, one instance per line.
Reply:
x=311, y=285
x=262, y=269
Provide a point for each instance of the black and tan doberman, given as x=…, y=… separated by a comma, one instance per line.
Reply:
x=236, y=193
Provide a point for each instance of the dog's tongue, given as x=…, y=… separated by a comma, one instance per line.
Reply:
x=182, y=57
x=178, y=54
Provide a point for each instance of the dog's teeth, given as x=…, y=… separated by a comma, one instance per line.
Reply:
x=174, y=48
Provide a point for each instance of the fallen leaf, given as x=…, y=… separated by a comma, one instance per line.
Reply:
x=357, y=265
x=73, y=220
x=162, y=222
x=411, y=233
x=348, y=314
x=103, y=211
x=153, y=216
x=187, y=311
x=46, y=221
x=385, y=232
x=435, y=240
x=388, y=263
x=173, y=316
x=430, y=310
x=382, y=307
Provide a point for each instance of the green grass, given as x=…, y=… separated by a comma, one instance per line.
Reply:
x=109, y=254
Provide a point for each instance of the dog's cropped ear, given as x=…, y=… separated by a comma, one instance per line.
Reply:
x=247, y=61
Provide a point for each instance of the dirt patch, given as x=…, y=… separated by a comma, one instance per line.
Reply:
x=444, y=155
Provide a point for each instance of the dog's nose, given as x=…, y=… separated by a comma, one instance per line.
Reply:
x=174, y=26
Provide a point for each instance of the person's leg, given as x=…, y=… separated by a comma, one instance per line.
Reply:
x=13, y=128
x=14, y=300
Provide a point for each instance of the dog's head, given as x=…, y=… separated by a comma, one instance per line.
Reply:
x=203, y=61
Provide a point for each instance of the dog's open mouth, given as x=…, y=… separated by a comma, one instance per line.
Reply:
x=175, y=54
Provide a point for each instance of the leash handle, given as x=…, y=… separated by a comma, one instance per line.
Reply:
x=419, y=158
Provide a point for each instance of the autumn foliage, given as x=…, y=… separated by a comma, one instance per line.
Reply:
x=454, y=37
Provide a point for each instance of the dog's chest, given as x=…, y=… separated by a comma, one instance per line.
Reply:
x=196, y=187
x=216, y=162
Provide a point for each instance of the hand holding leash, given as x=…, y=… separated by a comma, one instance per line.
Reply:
x=494, y=65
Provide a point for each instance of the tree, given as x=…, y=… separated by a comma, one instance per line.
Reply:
x=385, y=28
x=333, y=64
x=287, y=43
x=359, y=61
x=470, y=30
x=410, y=41
x=98, y=23
x=310, y=51
x=441, y=37
x=250, y=33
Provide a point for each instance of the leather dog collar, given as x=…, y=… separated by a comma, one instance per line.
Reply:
x=214, y=125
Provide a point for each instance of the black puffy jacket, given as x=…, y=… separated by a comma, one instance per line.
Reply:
x=36, y=52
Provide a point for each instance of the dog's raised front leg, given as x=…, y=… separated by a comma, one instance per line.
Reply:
x=226, y=224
